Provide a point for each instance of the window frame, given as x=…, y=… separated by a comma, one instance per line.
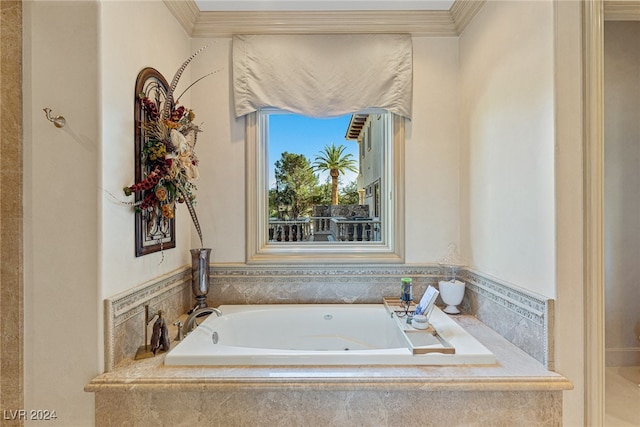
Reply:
x=259, y=250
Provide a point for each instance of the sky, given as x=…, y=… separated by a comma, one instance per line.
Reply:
x=305, y=135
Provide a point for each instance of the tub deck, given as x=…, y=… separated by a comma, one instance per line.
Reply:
x=514, y=369
x=517, y=389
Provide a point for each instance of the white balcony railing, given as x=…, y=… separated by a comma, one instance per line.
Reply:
x=292, y=230
x=356, y=229
x=319, y=228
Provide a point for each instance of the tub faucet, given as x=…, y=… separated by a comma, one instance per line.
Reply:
x=191, y=321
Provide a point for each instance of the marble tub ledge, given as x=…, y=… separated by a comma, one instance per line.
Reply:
x=514, y=370
x=517, y=390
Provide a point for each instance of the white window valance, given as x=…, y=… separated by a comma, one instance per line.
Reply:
x=323, y=75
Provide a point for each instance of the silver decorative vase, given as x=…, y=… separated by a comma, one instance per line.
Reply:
x=200, y=275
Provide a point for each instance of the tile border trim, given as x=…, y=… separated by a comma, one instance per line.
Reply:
x=391, y=270
x=530, y=306
x=123, y=306
x=526, y=304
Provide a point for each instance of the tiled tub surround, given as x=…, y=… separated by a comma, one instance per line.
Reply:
x=517, y=390
x=523, y=318
x=315, y=405
x=125, y=313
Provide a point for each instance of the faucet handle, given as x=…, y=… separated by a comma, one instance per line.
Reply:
x=180, y=335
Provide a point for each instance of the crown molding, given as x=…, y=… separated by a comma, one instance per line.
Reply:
x=418, y=23
x=186, y=13
x=348, y=22
x=463, y=12
x=621, y=10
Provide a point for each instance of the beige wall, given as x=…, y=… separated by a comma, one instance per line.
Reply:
x=521, y=162
x=622, y=198
x=507, y=122
x=432, y=184
x=61, y=215
x=81, y=59
x=133, y=35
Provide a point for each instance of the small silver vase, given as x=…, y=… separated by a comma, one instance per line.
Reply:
x=200, y=275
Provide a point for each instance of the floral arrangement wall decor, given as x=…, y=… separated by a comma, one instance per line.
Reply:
x=166, y=163
x=154, y=231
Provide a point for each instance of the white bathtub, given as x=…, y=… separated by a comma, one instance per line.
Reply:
x=318, y=334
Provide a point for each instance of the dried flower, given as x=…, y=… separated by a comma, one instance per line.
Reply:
x=161, y=194
x=167, y=211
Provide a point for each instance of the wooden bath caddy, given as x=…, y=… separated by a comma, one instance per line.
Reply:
x=420, y=341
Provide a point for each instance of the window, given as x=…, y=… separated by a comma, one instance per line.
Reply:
x=386, y=204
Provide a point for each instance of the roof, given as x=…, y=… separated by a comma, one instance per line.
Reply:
x=355, y=126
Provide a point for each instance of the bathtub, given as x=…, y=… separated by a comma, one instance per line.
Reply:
x=320, y=334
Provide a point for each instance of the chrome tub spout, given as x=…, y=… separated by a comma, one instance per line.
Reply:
x=192, y=322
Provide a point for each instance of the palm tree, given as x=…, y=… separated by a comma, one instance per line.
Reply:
x=333, y=159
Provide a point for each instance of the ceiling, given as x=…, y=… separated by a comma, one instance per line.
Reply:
x=323, y=5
